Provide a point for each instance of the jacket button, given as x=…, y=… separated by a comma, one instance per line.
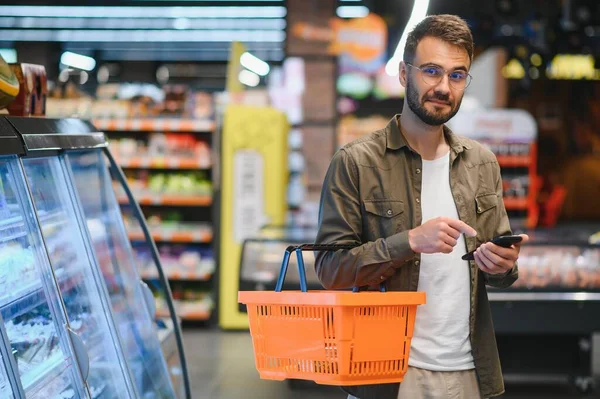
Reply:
x=478, y=209
x=418, y=171
x=418, y=201
x=417, y=263
x=389, y=212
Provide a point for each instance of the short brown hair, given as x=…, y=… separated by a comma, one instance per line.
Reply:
x=449, y=28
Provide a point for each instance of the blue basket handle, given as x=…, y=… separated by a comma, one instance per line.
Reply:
x=301, y=271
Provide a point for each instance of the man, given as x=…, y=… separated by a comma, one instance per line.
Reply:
x=414, y=198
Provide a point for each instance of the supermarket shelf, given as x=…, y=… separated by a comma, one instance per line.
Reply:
x=152, y=125
x=514, y=161
x=31, y=296
x=45, y=371
x=170, y=200
x=164, y=163
x=190, y=237
x=17, y=223
x=188, y=315
x=180, y=275
x=516, y=204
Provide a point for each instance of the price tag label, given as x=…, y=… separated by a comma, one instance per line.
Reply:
x=248, y=194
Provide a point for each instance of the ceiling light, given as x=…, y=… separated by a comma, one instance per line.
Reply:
x=249, y=78
x=9, y=55
x=419, y=12
x=254, y=64
x=352, y=11
x=181, y=23
x=103, y=74
x=144, y=12
x=158, y=36
x=78, y=61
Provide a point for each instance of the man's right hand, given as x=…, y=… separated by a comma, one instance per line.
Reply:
x=438, y=235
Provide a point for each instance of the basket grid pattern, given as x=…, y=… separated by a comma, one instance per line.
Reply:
x=330, y=365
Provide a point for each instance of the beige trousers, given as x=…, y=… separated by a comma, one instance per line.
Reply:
x=425, y=384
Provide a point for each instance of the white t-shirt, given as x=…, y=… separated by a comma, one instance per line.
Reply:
x=441, y=336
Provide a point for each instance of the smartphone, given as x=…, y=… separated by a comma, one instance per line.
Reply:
x=501, y=241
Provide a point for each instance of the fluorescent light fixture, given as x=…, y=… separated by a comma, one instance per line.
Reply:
x=78, y=61
x=352, y=11
x=83, y=78
x=157, y=36
x=419, y=12
x=142, y=23
x=249, y=78
x=181, y=23
x=144, y=12
x=9, y=55
x=254, y=64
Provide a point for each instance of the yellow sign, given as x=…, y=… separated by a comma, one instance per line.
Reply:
x=573, y=67
x=253, y=193
x=513, y=70
x=234, y=68
x=562, y=67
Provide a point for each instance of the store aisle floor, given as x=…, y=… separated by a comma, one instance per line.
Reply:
x=221, y=366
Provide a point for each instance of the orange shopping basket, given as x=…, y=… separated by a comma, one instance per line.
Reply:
x=330, y=337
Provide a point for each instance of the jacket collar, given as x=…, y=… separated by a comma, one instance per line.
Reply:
x=396, y=140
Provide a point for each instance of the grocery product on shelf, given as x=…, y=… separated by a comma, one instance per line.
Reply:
x=178, y=262
x=190, y=305
x=9, y=85
x=129, y=101
x=187, y=184
x=559, y=267
x=33, y=90
x=176, y=151
x=16, y=266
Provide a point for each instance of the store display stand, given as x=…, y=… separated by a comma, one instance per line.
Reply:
x=62, y=236
x=191, y=239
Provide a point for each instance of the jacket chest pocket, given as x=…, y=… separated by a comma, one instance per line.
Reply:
x=486, y=208
x=384, y=217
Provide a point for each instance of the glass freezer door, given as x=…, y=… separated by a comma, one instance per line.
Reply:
x=32, y=315
x=85, y=299
x=115, y=255
x=6, y=390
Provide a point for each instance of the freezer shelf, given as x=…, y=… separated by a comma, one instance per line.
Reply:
x=17, y=222
x=33, y=295
x=12, y=228
x=44, y=372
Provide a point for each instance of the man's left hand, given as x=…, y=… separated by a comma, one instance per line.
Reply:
x=492, y=259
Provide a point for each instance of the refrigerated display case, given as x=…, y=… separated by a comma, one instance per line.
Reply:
x=76, y=320
x=262, y=254
x=552, y=308
x=93, y=186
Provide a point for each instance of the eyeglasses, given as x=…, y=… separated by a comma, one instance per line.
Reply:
x=432, y=75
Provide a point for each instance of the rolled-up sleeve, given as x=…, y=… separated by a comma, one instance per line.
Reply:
x=340, y=222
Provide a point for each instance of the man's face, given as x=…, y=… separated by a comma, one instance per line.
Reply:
x=434, y=104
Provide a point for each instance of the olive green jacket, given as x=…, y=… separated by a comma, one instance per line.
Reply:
x=371, y=198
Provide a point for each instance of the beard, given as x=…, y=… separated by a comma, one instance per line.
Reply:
x=417, y=106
